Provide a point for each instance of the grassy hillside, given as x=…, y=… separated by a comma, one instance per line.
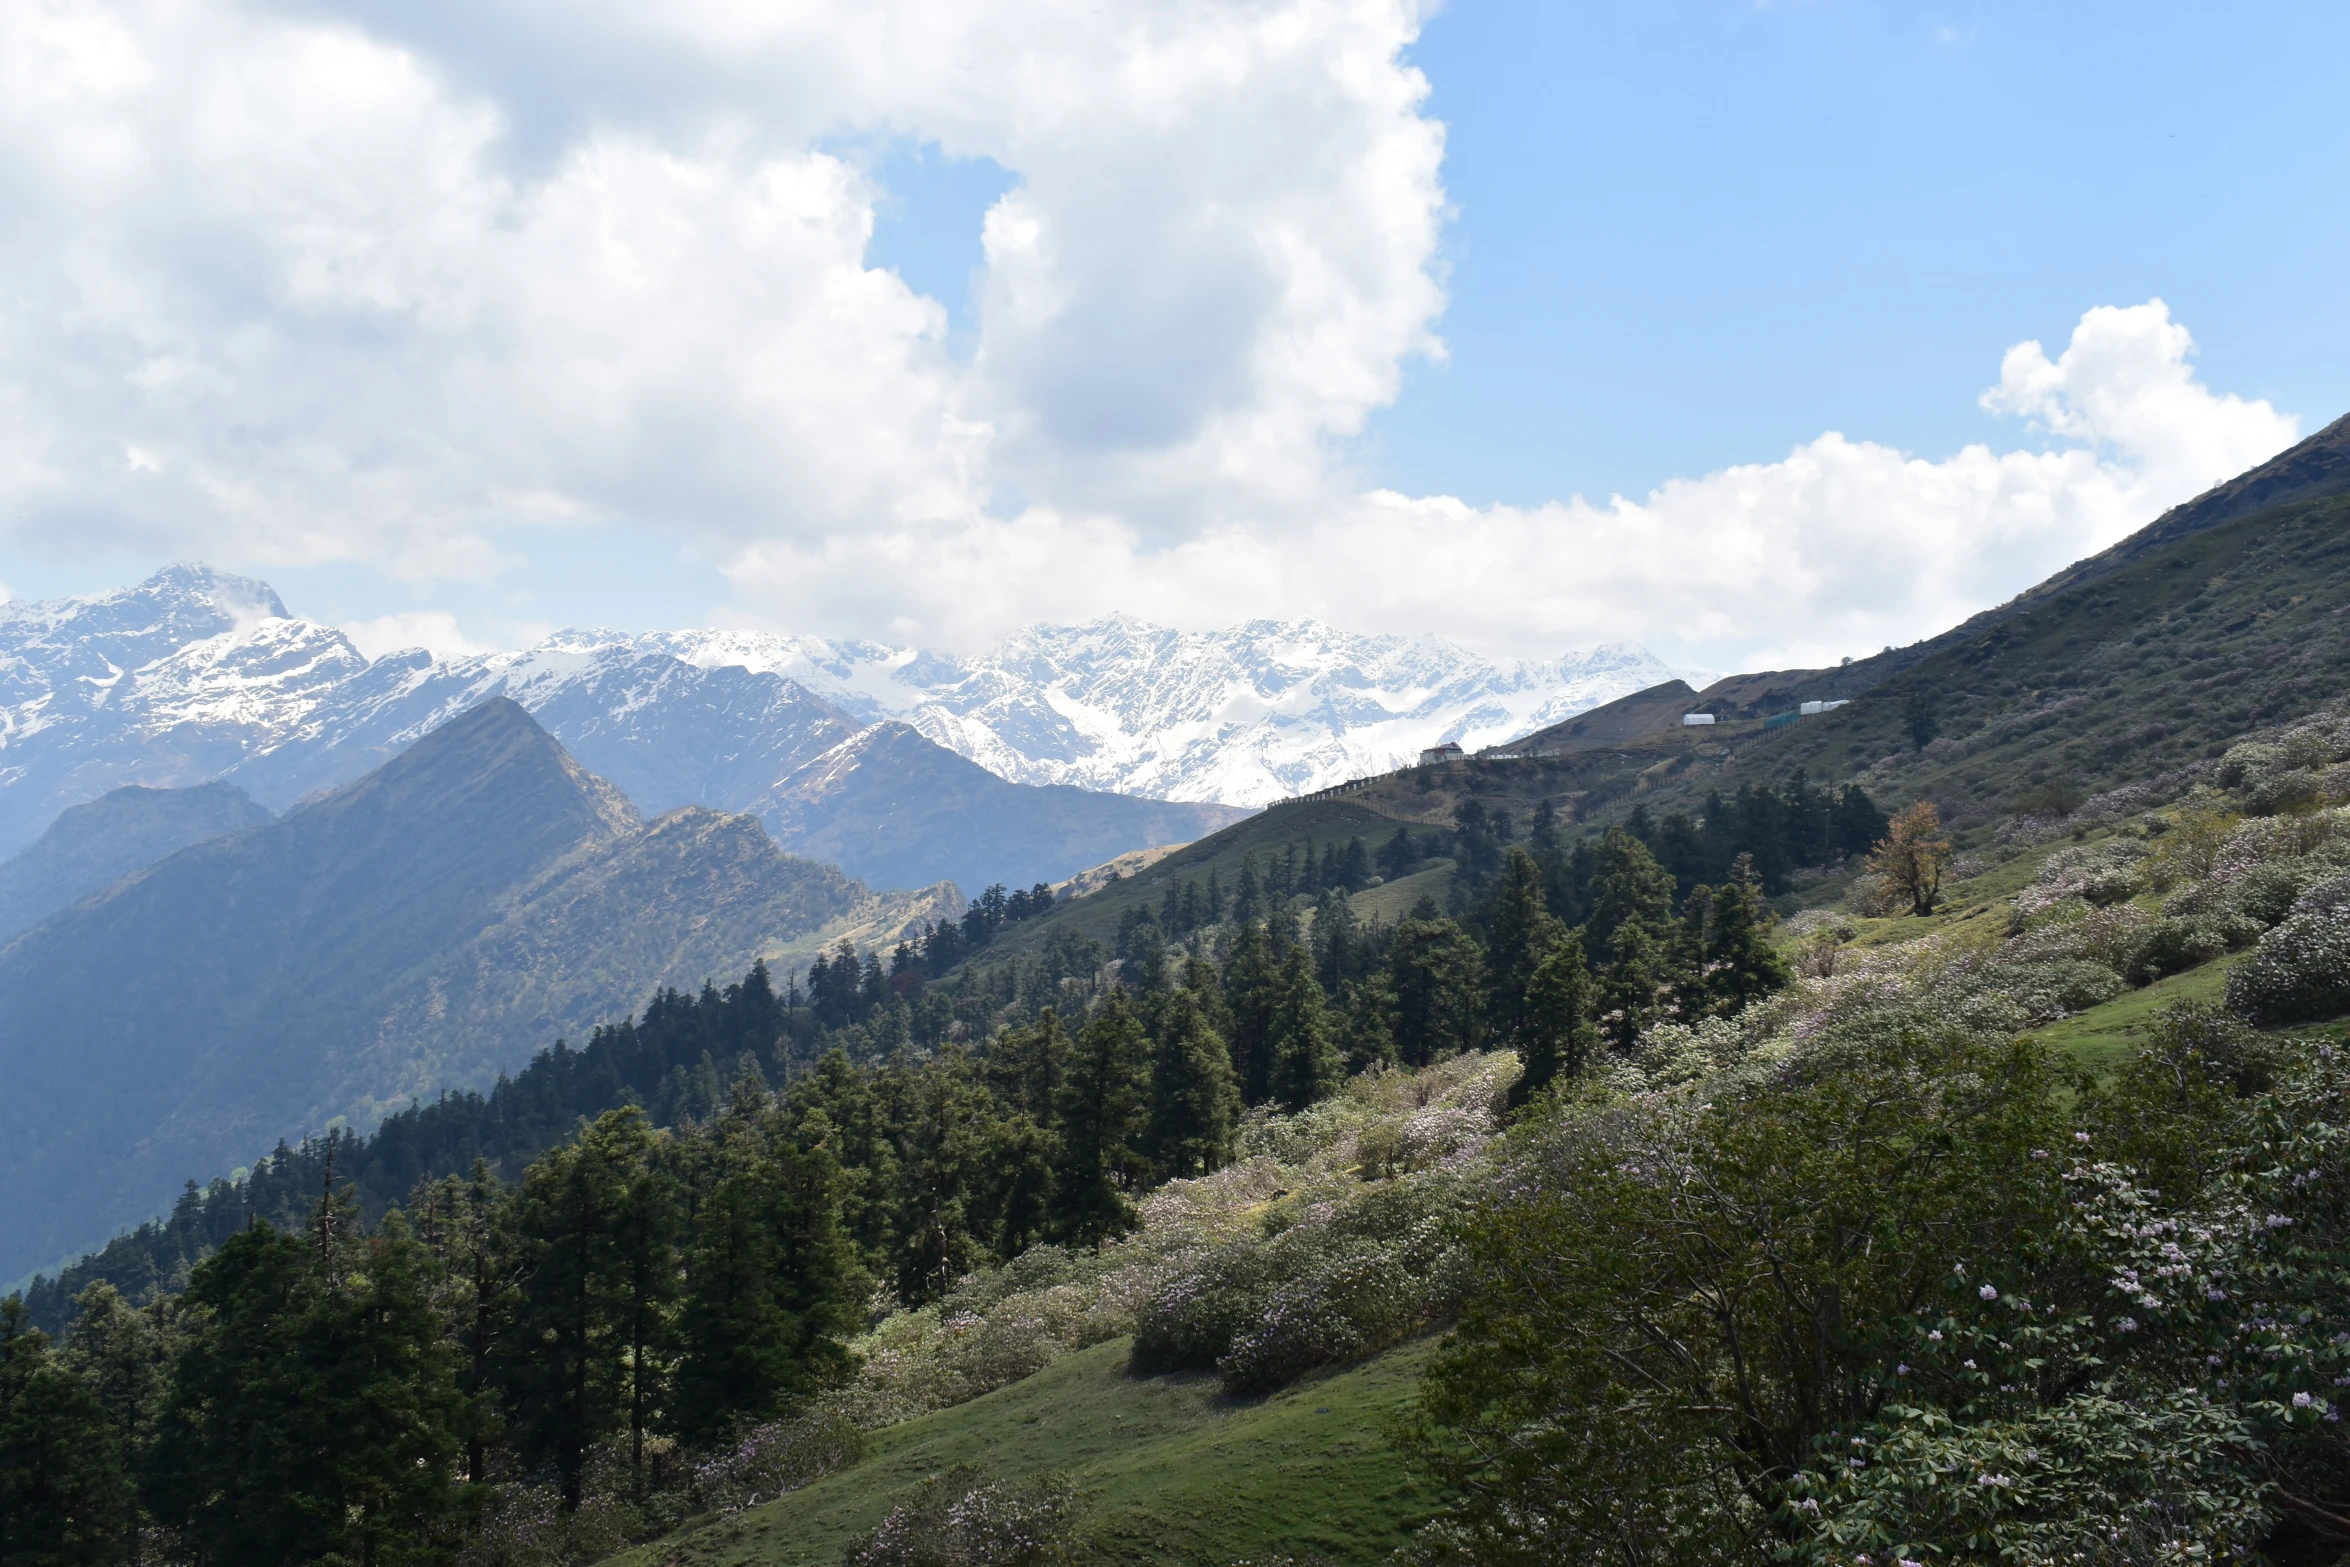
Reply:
x=1169, y=1473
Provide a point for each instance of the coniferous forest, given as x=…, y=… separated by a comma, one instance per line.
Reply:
x=670, y=1234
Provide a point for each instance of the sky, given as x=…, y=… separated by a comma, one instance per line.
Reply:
x=1761, y=334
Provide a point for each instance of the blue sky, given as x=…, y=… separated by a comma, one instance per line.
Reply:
x=1663, y=239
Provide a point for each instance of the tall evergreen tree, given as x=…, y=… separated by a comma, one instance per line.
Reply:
x=1101, y=1126
x=123, y=1355
x=1741, y=965
x=1628, y=887
x=566, y=1379
x=1557, y=1032
x=1306, y=1067
x=1194, y=1102
x=1366, y=1018
x=1438, y=977
x=1520, y=931
x=65, y=1498
x=775, y=1285
x=312, y=1411
x=1249, y=975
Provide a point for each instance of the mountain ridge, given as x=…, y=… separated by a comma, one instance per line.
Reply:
x=425, y=926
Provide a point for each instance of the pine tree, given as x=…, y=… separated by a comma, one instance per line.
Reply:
x=1628, y=887
x=1025, y=1065
x=775, y=1284
x=565, y=1379
x=1741, y=964
x=1248, y=993
x=1521, y=930
x=1101, y=1126
x=940, y=1224
x=1306, y=1068
x=1557, y=1033
x=1437, y=975
x=65, y=1498
x=1194, y=1102
x=1631, y=989
x=1366, y=1021
x=123, y=1355
x=312, y=1415
x=1398, y=856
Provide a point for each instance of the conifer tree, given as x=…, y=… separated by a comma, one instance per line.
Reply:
x=1101, y=1126
x=1437, y=974
x=1741, y=964
x=1398, y=856
x=941, y=1225
x=123, y=1355
x=1194, y=1102
x=1557, y=1032
x=1248, y=991
x=1521, y=930
x=1628, y=887
x=775, y=1284
x=565, y=1379
x=1306, y=1068
x=1632, y=987
x=312, y=1411
x=1025, y=1065
x=65, y=1498
x=1366, y=1010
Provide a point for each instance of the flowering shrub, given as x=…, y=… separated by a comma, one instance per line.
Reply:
x=769, y=1460
x=955, y=1520
x=1349, y=1306
x=2044, y=991
x=2301, y=970
x=2325, y=895
x=1345, y=1279
x=2098, y=873
x=2267, y=892
x=2172, y=946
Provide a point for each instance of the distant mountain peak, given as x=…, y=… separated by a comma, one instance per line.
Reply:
x=497, y=753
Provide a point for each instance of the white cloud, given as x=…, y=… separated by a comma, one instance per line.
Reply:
x=435, y=631
x=288, y=288
x=338, y=304
x=1841, y=547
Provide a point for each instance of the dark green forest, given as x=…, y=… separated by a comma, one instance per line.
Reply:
x=672, y=1231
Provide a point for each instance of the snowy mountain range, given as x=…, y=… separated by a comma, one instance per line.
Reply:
x=195, y=675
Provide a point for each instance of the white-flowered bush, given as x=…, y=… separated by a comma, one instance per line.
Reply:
x=959, y=1520
x=2300, y=971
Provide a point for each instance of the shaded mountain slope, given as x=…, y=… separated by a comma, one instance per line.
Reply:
x=425, y=926
x=91, y=846
x=2220, y=618
x=2316, y=469
x=892, y=808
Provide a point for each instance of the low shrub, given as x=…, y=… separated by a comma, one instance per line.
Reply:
x=1190, y=1321
x=2300, y=971
x=1351, y=1305
x=957, y=1520
x=2172, y=946
x=770, y=1460
x=2054, y=988
x=2268, y=892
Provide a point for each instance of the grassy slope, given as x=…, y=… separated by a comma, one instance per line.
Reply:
x=1170, y=1474
x=2105, y=1036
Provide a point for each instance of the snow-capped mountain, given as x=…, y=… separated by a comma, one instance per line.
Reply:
x=1246, y=715
x=194, y=675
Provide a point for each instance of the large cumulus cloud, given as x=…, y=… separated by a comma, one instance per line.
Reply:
x=303, y=282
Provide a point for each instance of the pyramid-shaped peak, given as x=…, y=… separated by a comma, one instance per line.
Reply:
x=240, y=598
x=494, y=752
